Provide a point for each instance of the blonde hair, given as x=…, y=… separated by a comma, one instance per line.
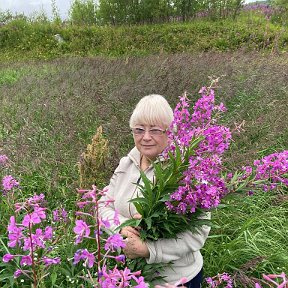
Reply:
x=152, y=110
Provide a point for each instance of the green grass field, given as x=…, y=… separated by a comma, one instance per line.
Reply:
x=50, y=110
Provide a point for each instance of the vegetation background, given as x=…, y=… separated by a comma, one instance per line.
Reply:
x=59, y=81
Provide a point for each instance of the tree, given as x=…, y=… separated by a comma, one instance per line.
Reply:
x=186, y=8
x=83, y=12
x=55, y=13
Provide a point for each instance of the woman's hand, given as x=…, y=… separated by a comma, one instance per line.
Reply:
x=128, y=230
x=135, y=247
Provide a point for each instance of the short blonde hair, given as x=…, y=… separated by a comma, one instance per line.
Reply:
x=152, y=110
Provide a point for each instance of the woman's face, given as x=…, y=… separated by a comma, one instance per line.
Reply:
x=150, y=140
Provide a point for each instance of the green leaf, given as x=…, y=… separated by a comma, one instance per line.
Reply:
x=140, y=209
x=53, y=278
x=148, y=221
x=139, y=200
x=130, y=222
x=165, y=198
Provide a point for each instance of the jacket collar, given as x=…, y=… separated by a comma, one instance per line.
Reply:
x=135, y=156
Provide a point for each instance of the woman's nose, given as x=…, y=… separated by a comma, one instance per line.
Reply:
x=147, y=135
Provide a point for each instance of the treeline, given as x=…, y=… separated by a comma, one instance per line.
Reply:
x=119, y=12
x=130, y=12
x=123, y=12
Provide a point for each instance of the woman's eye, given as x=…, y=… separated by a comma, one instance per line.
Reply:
x=139, y=130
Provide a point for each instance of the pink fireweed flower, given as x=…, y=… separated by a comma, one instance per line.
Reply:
x=270, y=172
x=223, y=278
x=217, y=140
x=34, y=203
x=36, y=241
x=36, y=199
x=104, y=222
x=3, y=160
x=84, y=254
x=8, y=257
x=8, y=183
x=35, y=217
x=51, y=261
x=26, y=261
x=120, y=258
x=82, y=230
x=18, y=273
x=116, y=218
x=202, y=185
x=113, y=242
x=120, y=278
x=282, y=276
x=60, y=215
x=48, y=234
x=15, y=234
x=273, y=167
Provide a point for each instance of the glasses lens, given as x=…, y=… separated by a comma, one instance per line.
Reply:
x=138, y=131
x=153, y=132
x=156, y=132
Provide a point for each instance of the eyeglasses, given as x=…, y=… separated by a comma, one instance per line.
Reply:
x=153, y=132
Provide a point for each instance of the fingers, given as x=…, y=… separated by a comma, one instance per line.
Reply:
x=137, y=216
x=135, y=248
x=128, y=231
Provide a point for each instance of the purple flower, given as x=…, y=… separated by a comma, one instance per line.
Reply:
x=82, y=230
x=219, y=279
x=8, y=183
x=48, y=234
x=120, y=258
x=7, y=257
x=18, y=273
x=85, y=255
x=116, y=218
x=202, y=185
x=15, y=234
x=114, y=241
x=32, y=219
x=60, y=215
x=51, y=261
x=105, y=223
x=120, y=278
x=26, y=260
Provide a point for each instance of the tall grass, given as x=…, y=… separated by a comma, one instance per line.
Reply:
x=50, y=110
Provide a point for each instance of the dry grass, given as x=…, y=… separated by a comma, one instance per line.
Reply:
x=51, y=111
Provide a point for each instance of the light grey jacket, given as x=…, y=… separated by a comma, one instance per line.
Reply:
x=184, y=251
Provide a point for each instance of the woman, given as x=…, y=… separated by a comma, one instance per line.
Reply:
x=149, y=122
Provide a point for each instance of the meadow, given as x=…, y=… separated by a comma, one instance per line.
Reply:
x=50, y=110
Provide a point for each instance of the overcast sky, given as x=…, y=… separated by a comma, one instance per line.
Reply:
x=29, y=6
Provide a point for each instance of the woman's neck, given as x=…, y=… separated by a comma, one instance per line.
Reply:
x=144, y=163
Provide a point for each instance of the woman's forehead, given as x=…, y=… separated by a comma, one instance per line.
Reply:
x=149, y=125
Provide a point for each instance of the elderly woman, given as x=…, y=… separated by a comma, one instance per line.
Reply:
x=149, y=122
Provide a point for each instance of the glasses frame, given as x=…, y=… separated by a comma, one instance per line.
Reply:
x=143, y=131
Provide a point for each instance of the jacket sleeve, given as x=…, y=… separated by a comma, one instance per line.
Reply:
x=108, y=211
x=166, y=250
